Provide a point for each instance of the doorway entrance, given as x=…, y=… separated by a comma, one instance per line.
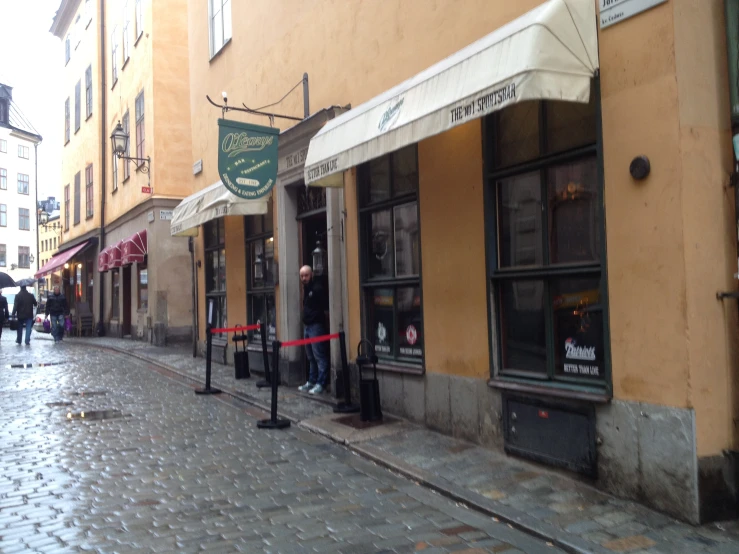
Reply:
x=126, y=292
x=312, y=230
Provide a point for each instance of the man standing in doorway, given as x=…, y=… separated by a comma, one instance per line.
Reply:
x=23, y=308
x=314, y=320
x=57, y=308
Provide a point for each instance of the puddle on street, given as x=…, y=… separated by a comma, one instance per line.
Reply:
x=95, y=415
x=89, y=393
x=27, y=366
x=58, y=404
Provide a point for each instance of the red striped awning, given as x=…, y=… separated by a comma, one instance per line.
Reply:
x=134, y=248
x=114, y=256
x=103, y=260
x=58, y=261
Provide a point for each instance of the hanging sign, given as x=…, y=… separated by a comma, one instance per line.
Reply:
x=247, y=158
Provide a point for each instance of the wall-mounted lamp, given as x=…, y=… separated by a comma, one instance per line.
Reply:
x=119, y=139
x=319, y=259
x=66, y=266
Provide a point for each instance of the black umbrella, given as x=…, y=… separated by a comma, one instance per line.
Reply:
x=6, y=280
x=25, y=282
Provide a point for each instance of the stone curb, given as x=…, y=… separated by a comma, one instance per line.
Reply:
x=516, y=518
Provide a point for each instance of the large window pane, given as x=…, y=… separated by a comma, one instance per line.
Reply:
x=380, y=321
x=523, y=327
x=221, y=276
x=377, y=175
x=407, y=254
x=380, y=259
x=574, y=227
x=410, y=323
x=520, y=241
x=262, y=309
x=405, y=170
x=570, y=124
x=517, y=134
x=578, y=328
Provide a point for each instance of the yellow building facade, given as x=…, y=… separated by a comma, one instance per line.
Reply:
x=548, y=269
x=132, y=270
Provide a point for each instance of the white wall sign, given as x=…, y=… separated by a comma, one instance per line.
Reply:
x=165, y=215
x=150, y=216
x=616, y=11
x=197, y=167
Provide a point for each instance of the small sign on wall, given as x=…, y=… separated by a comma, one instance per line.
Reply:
x=616, y=11
x=197, y=167
x=165, y=215
x=150, y=216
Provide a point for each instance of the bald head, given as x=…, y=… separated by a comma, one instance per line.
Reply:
x=306, y=274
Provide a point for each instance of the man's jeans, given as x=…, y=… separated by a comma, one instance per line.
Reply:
x=57, y=327
x=318, y=354
x=28, y=324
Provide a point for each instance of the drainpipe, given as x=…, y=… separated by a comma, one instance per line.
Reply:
x=103, y=158
x=35, y=161
x=191, y=247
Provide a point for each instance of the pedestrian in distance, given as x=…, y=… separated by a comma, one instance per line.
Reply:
x=23, y=309
x=4, y=315
x=57, y=308
x=314, y=321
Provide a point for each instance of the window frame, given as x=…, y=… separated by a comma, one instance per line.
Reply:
x=546, y=272
x=115, y=293
x=366, y=207
x=66, y=207
x=126, y=34
x=267, y=290
x=3, y=212
x=3, y=255
x=24, y=218
x=77, y=197
x=216, y=49
x=67, y=121
x=24, y=152
x=218, y=249
x=24, y=185
x=77, y=106
x=3, y=178
x=88, y=92
x=24, y=257
x=3, y=146
x=139, y=19
x=127, y=129
x=114, y=56
x=141, y=268
x=89, y=194
x=67, y=49
x=140, y=129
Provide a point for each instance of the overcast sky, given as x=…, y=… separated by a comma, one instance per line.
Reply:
x=31, y=62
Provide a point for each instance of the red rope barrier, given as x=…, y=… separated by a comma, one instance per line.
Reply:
x=301, y=342
x=253, y=327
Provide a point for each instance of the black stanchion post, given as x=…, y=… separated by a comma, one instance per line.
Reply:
x=208, y=353
x=274, y=422
x=265, y=356
x=345, y=407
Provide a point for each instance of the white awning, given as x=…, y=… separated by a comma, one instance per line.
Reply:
x=211, y=203
x=550, y=53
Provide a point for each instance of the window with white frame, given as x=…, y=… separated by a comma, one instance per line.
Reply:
x=126, y=31
x=3, y=255
x=139, y=14
x=3, y=215
x=23, y=182
x=24, y=219
x=24, y=256
x=88, y=91
x=3, y=179
x=114, y=55
x=23, y=151
x=219, y=12
x=3, y=145
x=67, y=49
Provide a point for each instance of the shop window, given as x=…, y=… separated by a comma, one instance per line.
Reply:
x=78, y=284
x=215, y=271
x=391, y=256
x=116, y=295
x=260, y=256
x=143, y=288
x=547, y=274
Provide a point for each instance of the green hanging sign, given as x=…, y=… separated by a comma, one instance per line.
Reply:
x=247, y=158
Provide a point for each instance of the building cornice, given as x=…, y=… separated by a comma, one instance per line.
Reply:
x=63, y=17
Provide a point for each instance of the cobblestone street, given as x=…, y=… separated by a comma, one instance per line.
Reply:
x=166, y=470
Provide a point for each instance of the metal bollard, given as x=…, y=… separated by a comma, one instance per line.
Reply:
x=345, y=407
x=208, y=354
x=274, y=422
x=265, y=356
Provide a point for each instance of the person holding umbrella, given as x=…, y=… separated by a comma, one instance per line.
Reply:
x=23, y=308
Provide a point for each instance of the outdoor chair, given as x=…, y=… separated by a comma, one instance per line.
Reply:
x=83, y=322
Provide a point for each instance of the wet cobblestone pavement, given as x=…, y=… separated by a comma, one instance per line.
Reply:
x=176, y=472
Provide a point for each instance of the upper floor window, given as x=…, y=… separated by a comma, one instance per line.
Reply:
x=24, y=219
x=67, y=49
x=77, y=195
x=3, y=255
x=88, y=191
x=88, y=12
x=23, y=151
x=219, y=12
x=126, y=32
x=66, y=208
x=66, y=121
x=3, y=145
x=114, y=54
x=77, y=107
x=391, y=255
x=23, y=183
x=140, y=134
x=4, y=111
x=126, y=128
x=88, y=91
x=139, y=13
x=24, y=256
x=3, y=215
x=3, y=179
